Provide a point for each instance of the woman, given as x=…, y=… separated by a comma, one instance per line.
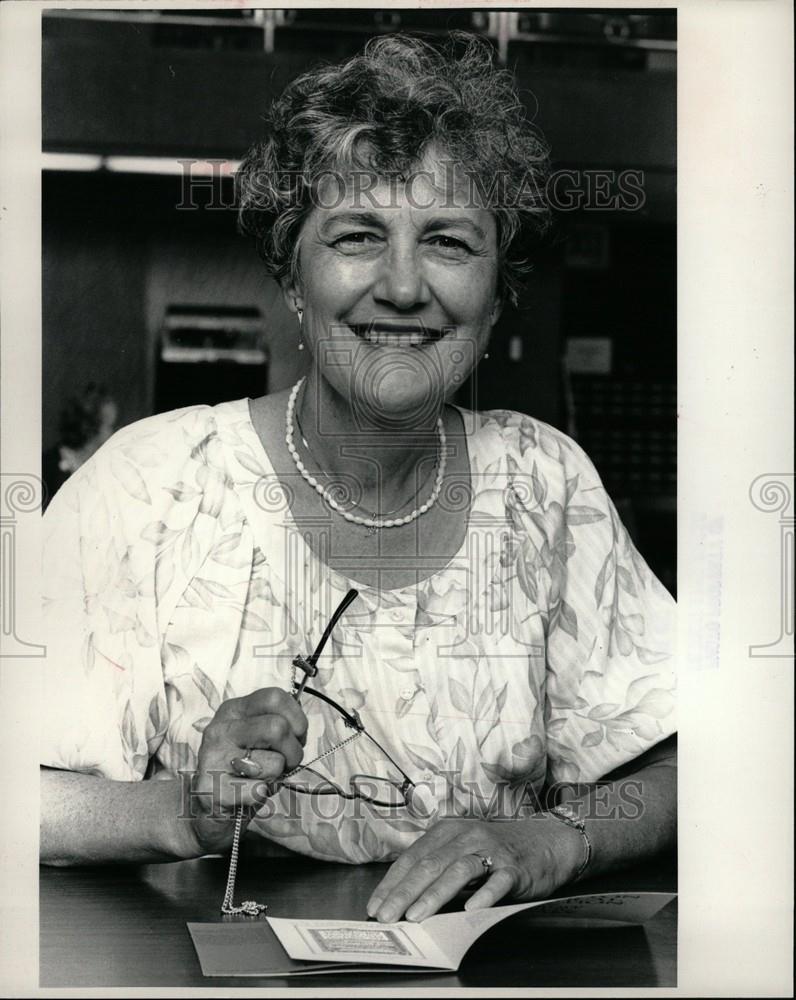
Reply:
x=506, y=637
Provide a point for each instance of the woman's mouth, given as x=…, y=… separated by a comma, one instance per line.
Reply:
x=398, y=334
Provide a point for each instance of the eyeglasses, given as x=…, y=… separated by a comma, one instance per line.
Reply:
x=387, y=791
x=392, y=791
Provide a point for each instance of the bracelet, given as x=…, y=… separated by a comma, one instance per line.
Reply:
x=566, y=814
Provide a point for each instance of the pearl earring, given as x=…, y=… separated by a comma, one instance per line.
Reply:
x=486, y=356
x=300, y=314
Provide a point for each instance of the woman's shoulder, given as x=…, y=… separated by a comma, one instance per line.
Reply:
x=527, y=439
x=186, y=423
x=166, y=440
x=150, y=459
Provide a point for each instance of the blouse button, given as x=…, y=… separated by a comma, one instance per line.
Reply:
x=407, y=693
x=397, y=615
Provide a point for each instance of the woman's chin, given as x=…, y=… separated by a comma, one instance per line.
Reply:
x=398, y=405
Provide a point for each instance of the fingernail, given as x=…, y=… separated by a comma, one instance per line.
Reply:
x=373, y=905
x=387, y=914
x=473, y=903
x=416, y=912
x=245, y=767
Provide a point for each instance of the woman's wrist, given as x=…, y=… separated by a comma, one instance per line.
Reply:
x=628, y=820
x=93, y=820
x=565, y=848
x=569, y=817
x=184, y=843
x=197, y=829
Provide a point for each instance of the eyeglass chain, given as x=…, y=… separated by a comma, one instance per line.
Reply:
x=250, y=907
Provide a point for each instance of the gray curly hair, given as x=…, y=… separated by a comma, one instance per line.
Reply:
x=382, y=110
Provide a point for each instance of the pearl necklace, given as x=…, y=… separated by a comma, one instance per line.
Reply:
x=374, y=523
x=386, y=513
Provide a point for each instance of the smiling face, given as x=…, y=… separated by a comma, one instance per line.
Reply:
x=398, y=286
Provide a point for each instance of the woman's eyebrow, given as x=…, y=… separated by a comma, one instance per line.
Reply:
x=447, y=222
x=352, y=218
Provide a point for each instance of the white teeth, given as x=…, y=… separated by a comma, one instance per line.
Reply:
x=382, y=338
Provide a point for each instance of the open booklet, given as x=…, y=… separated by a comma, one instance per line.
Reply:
x=310, y=947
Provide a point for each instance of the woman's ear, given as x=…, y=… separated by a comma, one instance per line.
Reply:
x=497, y=309
x=291, y=294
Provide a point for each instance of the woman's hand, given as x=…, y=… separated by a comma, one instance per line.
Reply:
x=531, y=858
x=268, y=729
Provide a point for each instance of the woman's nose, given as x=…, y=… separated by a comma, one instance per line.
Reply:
x=401, y=283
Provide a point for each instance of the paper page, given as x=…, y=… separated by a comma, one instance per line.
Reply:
x=245, y=949
x=603, y=908
x=442, y=941
x=402, y=943
x=253, y=950
x=454, y=933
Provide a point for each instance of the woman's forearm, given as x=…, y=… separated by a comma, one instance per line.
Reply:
x=88, y=820
x=634, y=816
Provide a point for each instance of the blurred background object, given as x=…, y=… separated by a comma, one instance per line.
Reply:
x=85, y=422
x=146, y=114
x=209, y=354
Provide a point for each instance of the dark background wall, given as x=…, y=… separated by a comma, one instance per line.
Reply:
x=118, y=252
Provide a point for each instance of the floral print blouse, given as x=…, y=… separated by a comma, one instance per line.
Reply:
x=176, y=577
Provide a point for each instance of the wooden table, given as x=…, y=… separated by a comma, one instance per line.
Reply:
x=126, y=926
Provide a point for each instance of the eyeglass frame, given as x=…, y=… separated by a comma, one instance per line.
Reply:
x=352, y=720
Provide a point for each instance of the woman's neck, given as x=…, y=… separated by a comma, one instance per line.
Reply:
x=386, y=463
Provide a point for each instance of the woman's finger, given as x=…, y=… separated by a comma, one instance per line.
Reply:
x=265, y=764
x=426, y=872
x=264, y=702
x=275, y=701
x=455, y=877
x=270, y=732
x=397, y=873
x=498, y=885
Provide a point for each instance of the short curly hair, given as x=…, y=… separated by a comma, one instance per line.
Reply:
x=383, y=110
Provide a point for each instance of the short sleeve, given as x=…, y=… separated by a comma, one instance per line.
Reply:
x=103, y=700
x=611, y=635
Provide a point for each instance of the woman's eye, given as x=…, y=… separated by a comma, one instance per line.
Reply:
x=450, y=245
x=358, y=239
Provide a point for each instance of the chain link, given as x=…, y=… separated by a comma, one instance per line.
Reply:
x=250, y=907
